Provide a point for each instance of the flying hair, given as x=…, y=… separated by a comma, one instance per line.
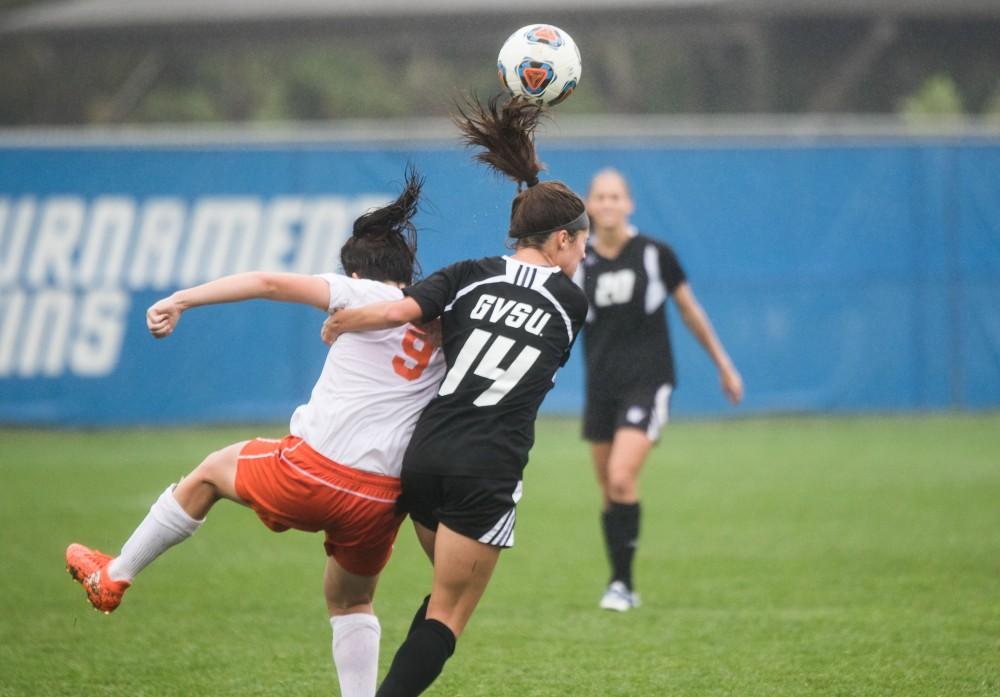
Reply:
x=505, y=130
x=397, y=216
x=383, y=243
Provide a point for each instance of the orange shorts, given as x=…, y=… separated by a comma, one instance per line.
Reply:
x=290, y=485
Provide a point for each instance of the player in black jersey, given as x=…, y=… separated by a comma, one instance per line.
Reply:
x=630, y=368
x=507, y=325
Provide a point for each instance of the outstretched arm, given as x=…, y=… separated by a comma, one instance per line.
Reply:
x=699, y=325
x=370, y=317
x=163, y=315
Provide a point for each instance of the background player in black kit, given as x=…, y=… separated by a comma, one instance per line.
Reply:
x=507, y=325
x=630, y=368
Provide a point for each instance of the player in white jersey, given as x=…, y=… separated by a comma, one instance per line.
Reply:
x=372, y=388
x=338, y=469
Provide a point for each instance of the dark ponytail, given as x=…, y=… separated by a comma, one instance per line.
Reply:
x=383, y=245
x=505, y=131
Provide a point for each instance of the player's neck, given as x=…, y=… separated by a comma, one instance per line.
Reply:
x=609, y=242
x=532, y=255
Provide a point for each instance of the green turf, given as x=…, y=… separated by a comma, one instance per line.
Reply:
x=778, y=557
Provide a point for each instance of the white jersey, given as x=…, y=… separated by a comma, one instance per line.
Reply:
x=372, y=389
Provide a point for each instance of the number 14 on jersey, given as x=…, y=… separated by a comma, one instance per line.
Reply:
x=489, y=366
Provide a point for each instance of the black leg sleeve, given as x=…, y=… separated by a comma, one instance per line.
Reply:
x=420, y=616
x=607, y=527
x=419, y=660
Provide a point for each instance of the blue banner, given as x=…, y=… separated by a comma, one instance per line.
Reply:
x=840, y=275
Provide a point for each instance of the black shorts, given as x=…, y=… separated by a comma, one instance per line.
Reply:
x=481, y=509
x=646, y=407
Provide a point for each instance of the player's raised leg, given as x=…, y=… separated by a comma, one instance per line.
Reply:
x=356, y=629
x=174, y=516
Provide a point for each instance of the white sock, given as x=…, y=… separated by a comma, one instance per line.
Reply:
x=165, y=525
x=355, y=653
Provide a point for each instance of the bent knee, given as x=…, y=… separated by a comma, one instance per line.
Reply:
x=214, y=469
x=622, y=489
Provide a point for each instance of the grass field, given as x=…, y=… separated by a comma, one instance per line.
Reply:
x=854, y=556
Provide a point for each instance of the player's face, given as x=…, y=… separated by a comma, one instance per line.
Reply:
x=608, y=202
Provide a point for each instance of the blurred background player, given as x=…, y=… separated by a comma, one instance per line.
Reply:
x=338, y=471
x=462, y=470
x=627, y=278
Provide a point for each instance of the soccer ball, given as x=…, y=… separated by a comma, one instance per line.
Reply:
x=540, y=62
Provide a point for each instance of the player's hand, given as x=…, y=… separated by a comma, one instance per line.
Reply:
x=732, y=384
x=162, y=317
x=431, y=332
x=330, y=330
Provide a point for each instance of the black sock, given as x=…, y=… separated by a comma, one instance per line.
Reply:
x=608, y=525
x=419, y=660
x=621, y=525
x=420, y=616
x=609, y=537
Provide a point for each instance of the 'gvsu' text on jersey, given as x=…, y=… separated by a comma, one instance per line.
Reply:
x=514, y=314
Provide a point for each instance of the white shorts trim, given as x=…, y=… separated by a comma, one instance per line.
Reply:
x=661, y=412
x=325, y=483
x=502, y=534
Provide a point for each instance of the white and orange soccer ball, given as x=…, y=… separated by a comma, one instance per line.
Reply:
x=540, y=62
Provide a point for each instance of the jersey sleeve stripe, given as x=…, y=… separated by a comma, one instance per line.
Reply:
x=656, y=292
x=540, y=288
x=472, y=286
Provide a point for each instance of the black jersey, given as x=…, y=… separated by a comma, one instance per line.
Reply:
x=506, y=329
x=626, y=339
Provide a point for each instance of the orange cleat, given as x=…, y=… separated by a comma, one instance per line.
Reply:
x=89, y=568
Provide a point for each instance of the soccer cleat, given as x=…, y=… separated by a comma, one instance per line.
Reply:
x=619, y=598
x=89, y=568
